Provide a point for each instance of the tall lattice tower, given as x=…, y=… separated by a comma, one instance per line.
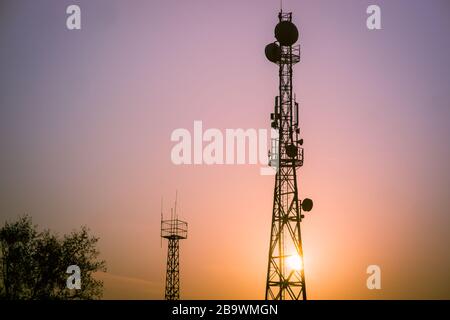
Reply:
x=173, y=230
x=285, y=272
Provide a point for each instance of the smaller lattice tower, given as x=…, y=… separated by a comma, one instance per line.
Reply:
x=173, y=230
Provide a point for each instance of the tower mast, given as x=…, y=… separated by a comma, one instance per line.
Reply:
x=173, y=230
x=285, y=272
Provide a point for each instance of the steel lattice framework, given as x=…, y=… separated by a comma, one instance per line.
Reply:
x=173, y=230
x=173, y=270
x=284, y=283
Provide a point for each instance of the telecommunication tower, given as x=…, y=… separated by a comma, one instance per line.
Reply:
x=173, y=230
x=285, y=271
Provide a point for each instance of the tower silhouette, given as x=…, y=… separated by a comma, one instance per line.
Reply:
x=285, y=272
x=173, y=230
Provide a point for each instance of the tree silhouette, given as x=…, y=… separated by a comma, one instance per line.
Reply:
x=33, y=265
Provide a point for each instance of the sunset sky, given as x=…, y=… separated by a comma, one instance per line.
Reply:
x=86, y=118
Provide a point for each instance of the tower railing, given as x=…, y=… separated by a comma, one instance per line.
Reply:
x=174, y=228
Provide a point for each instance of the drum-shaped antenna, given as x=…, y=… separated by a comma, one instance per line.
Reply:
x=307, y=204
x=286, y=33
x=273, y=52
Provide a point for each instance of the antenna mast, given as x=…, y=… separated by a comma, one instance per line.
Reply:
x=285, y=271
x=173, y=230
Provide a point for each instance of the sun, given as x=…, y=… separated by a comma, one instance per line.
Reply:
x=294, y=262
